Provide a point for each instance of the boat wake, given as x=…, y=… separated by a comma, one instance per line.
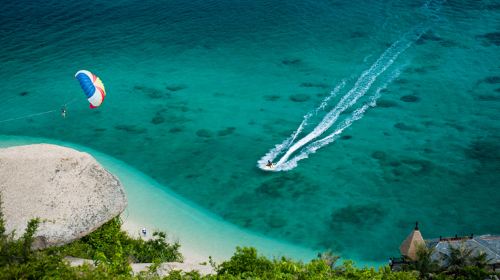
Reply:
x=288, y=153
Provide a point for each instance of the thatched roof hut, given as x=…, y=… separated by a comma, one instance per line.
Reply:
x=408, y=248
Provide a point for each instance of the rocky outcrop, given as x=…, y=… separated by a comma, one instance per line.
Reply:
x=68, y=190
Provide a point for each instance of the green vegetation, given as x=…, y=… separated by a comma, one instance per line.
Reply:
x=246, y=264
x=424, y=264
x=112, y=252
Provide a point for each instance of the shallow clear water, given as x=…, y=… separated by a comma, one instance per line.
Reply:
x=199, y=91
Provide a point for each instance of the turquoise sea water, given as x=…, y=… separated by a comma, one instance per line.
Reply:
x=199, y=91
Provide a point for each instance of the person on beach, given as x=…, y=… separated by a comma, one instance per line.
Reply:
x=143, y=230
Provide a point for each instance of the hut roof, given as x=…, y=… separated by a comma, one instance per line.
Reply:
x=409, y=247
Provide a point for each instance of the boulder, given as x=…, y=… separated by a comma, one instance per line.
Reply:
x=68, y=190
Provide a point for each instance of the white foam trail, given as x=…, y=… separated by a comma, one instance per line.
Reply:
x=356, y=115
x=292, y=163
x=273, y=153
x=322, y=106
x=361, y=86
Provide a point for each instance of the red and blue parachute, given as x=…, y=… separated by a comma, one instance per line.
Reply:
x=92, y=86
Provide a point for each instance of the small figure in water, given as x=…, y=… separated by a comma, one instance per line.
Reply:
x=269, y=164
x=63, y=111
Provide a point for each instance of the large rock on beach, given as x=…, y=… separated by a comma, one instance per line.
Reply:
x=68, y=190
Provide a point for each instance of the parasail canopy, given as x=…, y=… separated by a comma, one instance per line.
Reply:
x=92, y=87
